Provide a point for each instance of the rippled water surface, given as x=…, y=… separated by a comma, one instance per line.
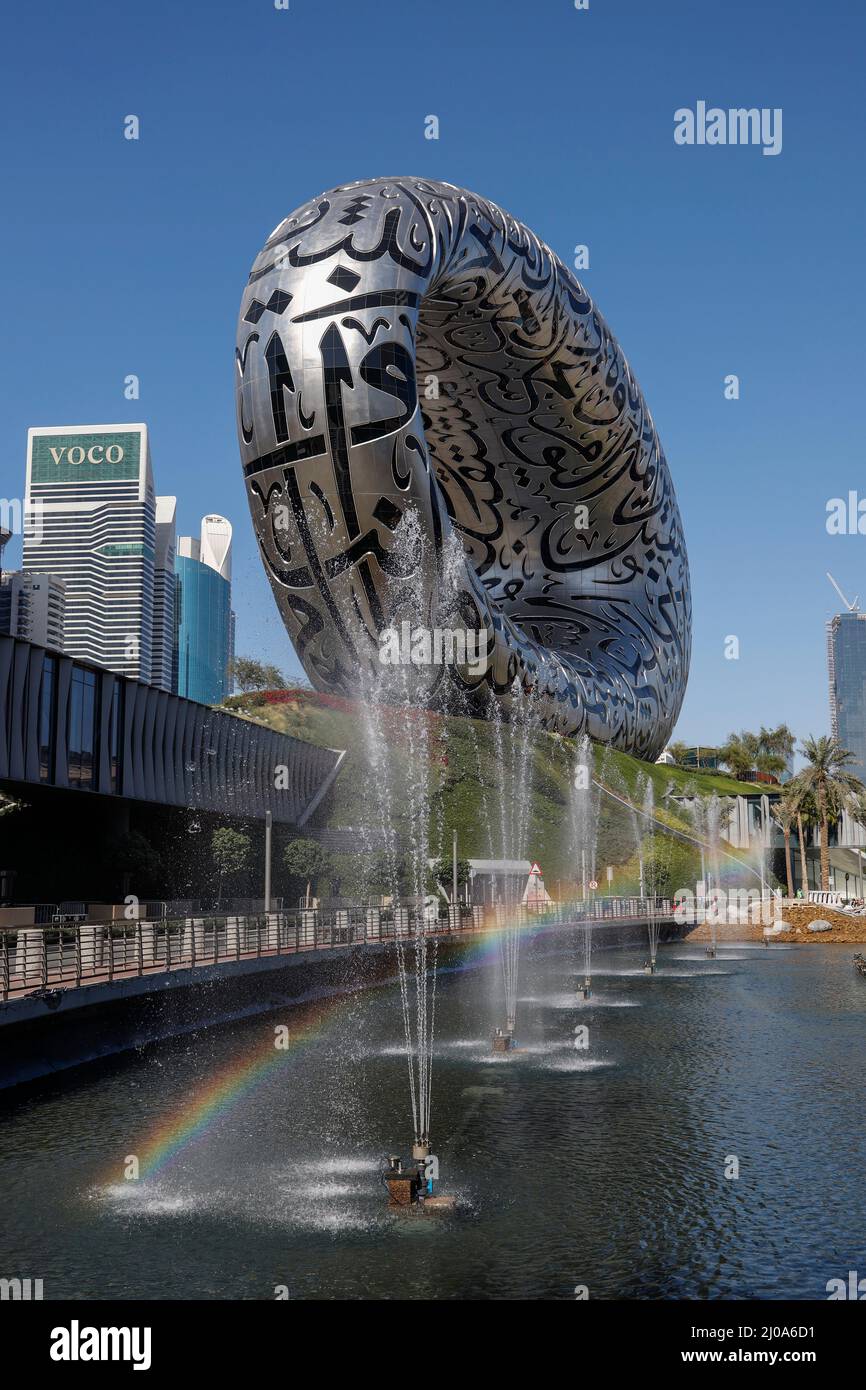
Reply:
x=602, y=1167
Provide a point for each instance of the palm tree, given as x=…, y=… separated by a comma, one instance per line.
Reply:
x=784, y=813
x=775, y=747
x=806, y=813
x=833, y=788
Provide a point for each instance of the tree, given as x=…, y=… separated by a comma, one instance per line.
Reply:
x=392, y=875
x=230, y=850
x=347, y=874
x=740, y=753
x=784, y=813
x=775, y=747
x=767, y=751
x=248, y=674
x=778, y=742
x=382, y=873
x=443, y=872
x=307, y=859
x=679, y=752
x=806, y=814
x=834, y=788
x=668, y=865
x=133, y=859
x=361, y=874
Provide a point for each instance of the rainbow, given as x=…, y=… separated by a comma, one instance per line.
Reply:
x=493, y=931
x=204, y=1107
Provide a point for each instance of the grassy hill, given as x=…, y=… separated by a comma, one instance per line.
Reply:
x=466, y=787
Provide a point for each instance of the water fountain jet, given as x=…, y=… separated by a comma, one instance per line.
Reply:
x=713, y=817
x=652, y=920
x=514, y=756
x=584, y=803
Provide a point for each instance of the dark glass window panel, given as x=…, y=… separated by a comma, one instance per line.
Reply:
x=46, y=718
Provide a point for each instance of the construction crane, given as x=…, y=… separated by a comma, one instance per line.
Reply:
x=853, y=607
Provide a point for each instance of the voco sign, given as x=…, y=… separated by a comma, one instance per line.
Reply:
x=113, y=453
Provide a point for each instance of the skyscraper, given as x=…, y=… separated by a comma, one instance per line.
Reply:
x=205, y=622
x=846, y=660
x=164, y=594
x=33, y=606
x=109, y=539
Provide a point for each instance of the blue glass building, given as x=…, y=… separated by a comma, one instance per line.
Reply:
x=204, y=619
x=846, y=653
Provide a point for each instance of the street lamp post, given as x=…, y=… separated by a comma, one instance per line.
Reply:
x=268, y=821
x=454, y=869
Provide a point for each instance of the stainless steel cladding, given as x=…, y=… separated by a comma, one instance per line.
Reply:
x=439, y=431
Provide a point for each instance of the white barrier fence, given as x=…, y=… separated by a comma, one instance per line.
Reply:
x=73, y=954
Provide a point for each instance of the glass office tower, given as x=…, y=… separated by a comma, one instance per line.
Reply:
x=99, y=535
x=163, y=594
x=205, y=622
x=846, y=657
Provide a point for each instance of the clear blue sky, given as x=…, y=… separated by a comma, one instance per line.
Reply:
x=121, y=257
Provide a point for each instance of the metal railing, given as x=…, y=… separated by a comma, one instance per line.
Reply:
x=54, y=957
